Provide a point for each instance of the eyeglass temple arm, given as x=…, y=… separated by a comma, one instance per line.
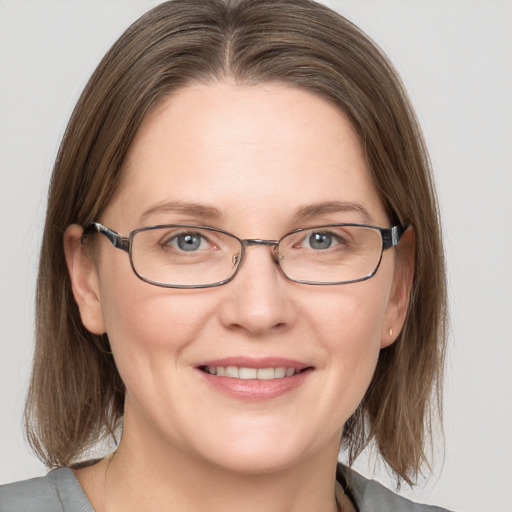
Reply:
x=391, y=236
x=115, y=238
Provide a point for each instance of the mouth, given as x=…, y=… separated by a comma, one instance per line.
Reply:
x=248, y=373
x=254, y=379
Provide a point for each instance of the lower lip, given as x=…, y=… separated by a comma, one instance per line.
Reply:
x=254, y=390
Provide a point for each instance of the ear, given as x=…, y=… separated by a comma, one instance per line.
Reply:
x=398, y=303
x=84, y=280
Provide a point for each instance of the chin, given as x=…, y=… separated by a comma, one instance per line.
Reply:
x=264, y=462
x=264, y=451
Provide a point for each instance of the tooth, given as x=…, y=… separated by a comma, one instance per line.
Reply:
x=266, y=373
x=232, y=371
x=248, y=373
x=280, y=372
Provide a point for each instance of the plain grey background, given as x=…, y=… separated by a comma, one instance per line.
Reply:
x=455, y=59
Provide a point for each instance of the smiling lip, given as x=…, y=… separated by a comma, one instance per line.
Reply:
x=253, y=379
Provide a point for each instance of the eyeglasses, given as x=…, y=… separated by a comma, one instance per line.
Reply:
x=187, y=256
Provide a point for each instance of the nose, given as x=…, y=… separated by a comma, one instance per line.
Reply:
x=258, y=300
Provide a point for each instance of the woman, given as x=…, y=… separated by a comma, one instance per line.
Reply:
x=242, y=261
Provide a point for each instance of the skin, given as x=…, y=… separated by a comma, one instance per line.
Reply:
x=256, y=154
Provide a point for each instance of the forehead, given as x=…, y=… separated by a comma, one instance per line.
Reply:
x=245, y=150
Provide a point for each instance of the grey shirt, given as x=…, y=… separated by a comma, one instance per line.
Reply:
x=59, y=491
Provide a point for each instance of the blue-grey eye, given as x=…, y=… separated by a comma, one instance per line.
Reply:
x=188, y=241
x=320, y=240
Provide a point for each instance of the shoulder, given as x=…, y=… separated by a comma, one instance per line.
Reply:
x=370, y=496
x=58, y=491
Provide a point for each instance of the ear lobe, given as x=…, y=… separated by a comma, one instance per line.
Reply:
x=84, y=280
x=398, y=303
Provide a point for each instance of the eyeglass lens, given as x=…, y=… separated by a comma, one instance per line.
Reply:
x=193, y=256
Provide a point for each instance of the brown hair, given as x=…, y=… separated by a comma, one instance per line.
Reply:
x=76, y=395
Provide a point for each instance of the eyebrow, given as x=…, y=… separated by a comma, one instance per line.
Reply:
x=210, y=212
x=182, y=207
x=318, y=209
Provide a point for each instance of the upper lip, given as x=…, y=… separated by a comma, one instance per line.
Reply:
x=255, y=362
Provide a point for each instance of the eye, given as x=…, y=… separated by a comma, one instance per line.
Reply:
x=188, y=242
x=320, y=240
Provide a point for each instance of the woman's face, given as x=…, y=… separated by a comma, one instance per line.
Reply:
x=258, y=162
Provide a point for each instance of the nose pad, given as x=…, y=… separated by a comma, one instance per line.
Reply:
x=276, y=257
x=275, y=253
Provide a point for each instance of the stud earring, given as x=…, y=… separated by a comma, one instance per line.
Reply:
x=391, y=332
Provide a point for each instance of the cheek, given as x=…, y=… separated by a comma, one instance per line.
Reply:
x=349, y=322
x=151, y=331
x=354, y=351
x=144, y=321
x=352, y=316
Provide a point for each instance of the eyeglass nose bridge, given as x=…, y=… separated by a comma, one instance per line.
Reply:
x=258, y=241
x=274, y=244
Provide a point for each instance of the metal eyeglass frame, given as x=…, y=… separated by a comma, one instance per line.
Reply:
x=390, y=238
